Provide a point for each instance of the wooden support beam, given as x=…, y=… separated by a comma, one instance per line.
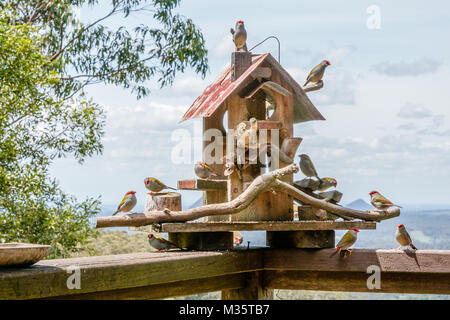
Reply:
x=263, y=225
x=202, y=240
x=166, y=290
x=398, y=282
x=48, y=278
x=166, y=274
x=300, y=239
x=253, y=289
x=420, y=261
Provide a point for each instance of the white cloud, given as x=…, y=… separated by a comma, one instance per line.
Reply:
x=414, y=111
x=407, y=68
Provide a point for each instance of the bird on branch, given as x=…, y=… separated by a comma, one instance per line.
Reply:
x=128, y=202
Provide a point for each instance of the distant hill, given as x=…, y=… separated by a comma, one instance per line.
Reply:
x=359, y=204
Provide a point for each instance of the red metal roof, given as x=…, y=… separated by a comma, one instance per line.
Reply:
x=216, y=93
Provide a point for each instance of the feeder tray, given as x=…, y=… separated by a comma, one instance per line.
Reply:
x=21, y=254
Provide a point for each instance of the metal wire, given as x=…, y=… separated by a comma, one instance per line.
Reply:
x=279, y=61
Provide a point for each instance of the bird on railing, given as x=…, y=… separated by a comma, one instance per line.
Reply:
x=128, y=202
x=346, y=241
x=154, y=185
x=161, y=244
x=203, y=171
x=380, y=202
x=403, y=238
x=239, y=36
x=317, y=72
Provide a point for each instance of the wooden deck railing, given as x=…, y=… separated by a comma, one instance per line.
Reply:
x=239, y=274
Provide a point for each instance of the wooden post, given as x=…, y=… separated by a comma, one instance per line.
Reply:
x=157, y=202
x=300, y=239
x=253, y=289
x=240, y=61
x=161, y=201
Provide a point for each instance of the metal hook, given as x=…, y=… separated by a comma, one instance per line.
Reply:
x=268, y=39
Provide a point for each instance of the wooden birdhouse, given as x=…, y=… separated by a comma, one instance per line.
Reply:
x=260, y=103
x=258, y=87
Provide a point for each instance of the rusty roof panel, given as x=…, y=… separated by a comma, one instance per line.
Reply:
x=216, y=93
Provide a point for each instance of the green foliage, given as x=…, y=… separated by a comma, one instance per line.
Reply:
x=47, y=58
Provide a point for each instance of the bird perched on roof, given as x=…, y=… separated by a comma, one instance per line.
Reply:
x=128, y=202
x=239, y=36
x=307, y=166
x=203, y=171
x=346, y=241
x=403, y=238
x=380, y=202
x=327, y=183
x=317, y=72
x=161, y=244
x=154, y=185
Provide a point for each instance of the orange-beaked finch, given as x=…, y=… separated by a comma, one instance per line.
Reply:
x=380, y=202
x=327, y=183
x=403, y=237
x=346, y=241
x=128, y=202
x=161, y=244
x=203, y=171
x=154, y=185
x=317, y=72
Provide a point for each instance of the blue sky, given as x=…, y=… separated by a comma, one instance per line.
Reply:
x=386, y=99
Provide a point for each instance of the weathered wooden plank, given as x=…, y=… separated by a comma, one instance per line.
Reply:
x=420, y=261
x=264, y=225
x=398, y=282
x=311, y=239
x=202, y=184
x=253, y=289
x=167, y=290
x=49, y=278
x=261, y=72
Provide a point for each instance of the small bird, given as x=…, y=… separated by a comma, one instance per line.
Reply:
x=203, y=171
x=317, y=72
x=380, y=202
x=239, y=36
x=238, y=238
x=161, y=244
x=347, y=241
x=128, y=202
x=403, y=237
x=307, y=166
x=327, y=183
x=154, y=185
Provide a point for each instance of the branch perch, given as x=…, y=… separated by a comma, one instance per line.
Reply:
x=330, y=207
x=266, y=182
x=259, y=185
x=313, y=86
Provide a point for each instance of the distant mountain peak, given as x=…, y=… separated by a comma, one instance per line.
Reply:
x=359, y=204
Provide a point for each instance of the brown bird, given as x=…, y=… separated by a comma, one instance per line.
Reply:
x=403, y=237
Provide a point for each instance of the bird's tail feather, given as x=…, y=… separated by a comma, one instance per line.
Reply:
x=413, y=246
x=115, y=213
x=171, y=188
x=335, y=251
